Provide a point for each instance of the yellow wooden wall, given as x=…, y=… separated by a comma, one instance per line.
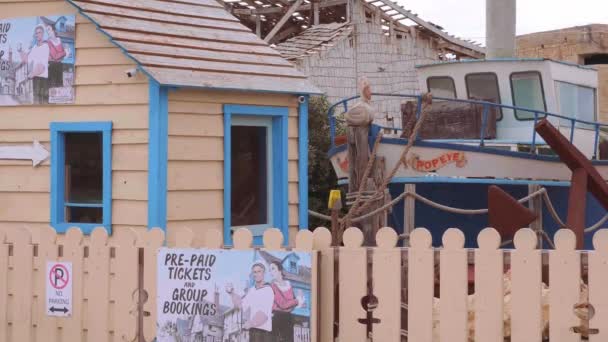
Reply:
x=196, y=150
x=103, y=93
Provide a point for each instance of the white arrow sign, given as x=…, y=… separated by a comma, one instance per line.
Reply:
x=36, y=152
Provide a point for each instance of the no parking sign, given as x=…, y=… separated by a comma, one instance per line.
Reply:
x=59, y=288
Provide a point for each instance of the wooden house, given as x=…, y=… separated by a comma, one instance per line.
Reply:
x=171, y=114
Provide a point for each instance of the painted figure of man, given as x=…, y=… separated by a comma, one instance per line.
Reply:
x=258, y=302
x=38, y=65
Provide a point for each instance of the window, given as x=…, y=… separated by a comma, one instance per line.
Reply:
x=293, y=266
x=255, y=170
x=441, y=86
x=483, y=87
x=527, y=91
x=81, y=175
x=575, y=101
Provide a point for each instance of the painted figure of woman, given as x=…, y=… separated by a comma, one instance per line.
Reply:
x=56, y=55
x=284, y=302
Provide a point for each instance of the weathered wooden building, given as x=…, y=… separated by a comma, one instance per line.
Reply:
x=586, y=45
x=336, y=41
x=173, y=114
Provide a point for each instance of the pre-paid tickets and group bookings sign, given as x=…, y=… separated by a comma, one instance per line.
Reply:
x=219, y=295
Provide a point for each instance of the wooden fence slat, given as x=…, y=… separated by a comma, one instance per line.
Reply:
x=420, y=286
x=326, y=316
x=526, y=288
x=598, y=283
x=73, y=251
x=242, y=239
x=304, y=243
x=21, y=285
x=47, y=251
x=453, y=314
x=150, y=241
x=386, y=276
x=489, y=287
x=3, y=286
x=98, y=287
x=125, y=279
x=272, y=238
x=565, y=280
x=353, y=286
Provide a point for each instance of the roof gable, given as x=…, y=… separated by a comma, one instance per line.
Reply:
x=193, y=43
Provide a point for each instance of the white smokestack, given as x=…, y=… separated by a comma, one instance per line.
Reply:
x=500, y=28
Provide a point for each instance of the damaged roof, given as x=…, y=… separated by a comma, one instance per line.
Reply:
x=194, y=43
x=314, y=40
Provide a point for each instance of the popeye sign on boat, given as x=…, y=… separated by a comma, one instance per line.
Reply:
x=434, y=164
x=229, y=295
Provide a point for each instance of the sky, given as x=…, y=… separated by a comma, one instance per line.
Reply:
x=466, y=18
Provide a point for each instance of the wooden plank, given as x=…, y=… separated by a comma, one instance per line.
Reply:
x=293, y=171
x=73, y=251
x=87, y=36
x=24, y=9
x=130, y=185
x=164, y=17
x=199, y=229
x=194, y=205
x=223, y=97
x=219, y=80
x=489, y=287
x=565, y=280
x=24, y=136
x=387, y=286
x=21, y=286
x=150, y=241
x=188, y=42
x=420, y=286
x=12, y=204
x=292, y=127
x=598, y=283
x=131, y=136
x=294, y=213
x=97, y=310
x=194, y=106
x=129, y=212
x=196, y=125
x=112, y=94
x=453, y=314
x=353, y=286
x=123, y=284
x=321, y=243
x=293, y=193
x=39, y=117
x=130, y=157
x=206, y=54
x=292, y=147
x=106, y=75
x=46, y=326
x=286, y=16
x=102, y=56
x=526, y=288
x=207, y=65
x=182, y=175
x=172, y=7
x=24, y=179
x=190, y=148
x=175, y=30
x=4, y=247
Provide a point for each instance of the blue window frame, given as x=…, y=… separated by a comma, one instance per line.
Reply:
x=65, y=135
x=269, y=127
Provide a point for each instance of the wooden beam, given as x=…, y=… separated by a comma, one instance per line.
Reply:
x=283, y=20
x=281, y=36
x=460, y=50
x=258, y=26
x=315, y=12
x=274, y=10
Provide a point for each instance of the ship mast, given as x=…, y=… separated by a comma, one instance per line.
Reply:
x=500, y=28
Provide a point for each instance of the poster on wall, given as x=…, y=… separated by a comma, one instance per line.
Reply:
x=37, y=60
x=233, y=296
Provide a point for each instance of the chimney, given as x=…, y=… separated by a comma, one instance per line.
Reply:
x=500, y=28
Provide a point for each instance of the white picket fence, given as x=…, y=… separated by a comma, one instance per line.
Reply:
x=115, y=286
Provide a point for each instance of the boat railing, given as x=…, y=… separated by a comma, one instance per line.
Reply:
x=538, y=114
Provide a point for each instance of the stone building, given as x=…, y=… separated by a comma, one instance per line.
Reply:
x=587, y=45
x=336, y=41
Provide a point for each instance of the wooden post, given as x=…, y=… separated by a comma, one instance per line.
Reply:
x=335, y=224
x=536, y=206
x=258, y=26
x=576, y=205
x=315, y=12
x=283, y=20
x=409, y=211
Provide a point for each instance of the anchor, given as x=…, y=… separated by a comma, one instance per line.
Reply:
x=585, y=312
x=369, y=304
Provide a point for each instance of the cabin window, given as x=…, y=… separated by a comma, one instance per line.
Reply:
x=255, y=170
x=527, y=91
x=576, y=101
x=483, y=87
x=81, y=174
x=441, y=86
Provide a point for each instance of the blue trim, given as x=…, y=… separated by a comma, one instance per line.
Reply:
x=157, y=160
x=280, y=152
x=460, y=180
x=58, y=130
x=303, y=163
x=83, y=205
x=508, y=59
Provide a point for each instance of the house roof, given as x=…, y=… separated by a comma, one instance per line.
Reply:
x=303, y=275
x=314, y=40
x=194, y=43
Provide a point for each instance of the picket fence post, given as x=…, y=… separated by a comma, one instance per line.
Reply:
x=420, y=285
x=304, y=243
x=453, y=314
x=526, y=288
x=73, y=251
x=489, y=287
x=3, y=285
x=123, y=284
x=326, y=315
x=565, y=287
x=46, y=326
x=386, y=276
x=150, y=241
x=598, y=283
x=20, y=285
x=353, y=286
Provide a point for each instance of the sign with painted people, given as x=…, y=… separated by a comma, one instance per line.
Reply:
x=37, y=60
x=229, y=295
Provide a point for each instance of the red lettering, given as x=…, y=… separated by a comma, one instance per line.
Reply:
x=442, y=158
x=435, y=162
x=427, y=165
x=419, y=164
x=456, y=156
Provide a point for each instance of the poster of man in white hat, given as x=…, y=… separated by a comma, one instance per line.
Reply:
x=233, y=296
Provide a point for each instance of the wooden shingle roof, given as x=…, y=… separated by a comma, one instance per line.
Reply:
x=314, y=40
x=194, y=43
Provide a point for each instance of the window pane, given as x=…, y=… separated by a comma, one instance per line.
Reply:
x=577, y=102
x=442, y=87
x=83, y=168
x=527, y=93
x=483, y=87
x=249, y=173
x=586, y=104
x=83, y=215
